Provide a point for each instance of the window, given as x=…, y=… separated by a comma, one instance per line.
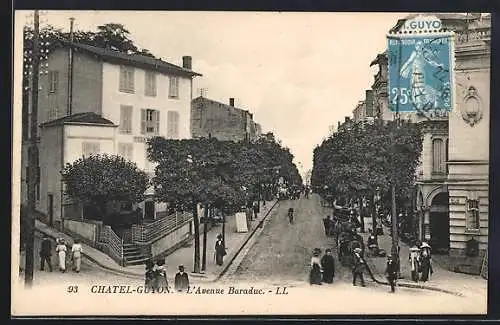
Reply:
x=53, y=108
x=90, y=148
x=447, y=144
x=438, y=156
x=126, y=79
x=173, y=125
x=173, y=90
x=126, y=150
x=125, y=119
x=150, y=84
x=150, y=121
x=53, y=81
x=473, y=214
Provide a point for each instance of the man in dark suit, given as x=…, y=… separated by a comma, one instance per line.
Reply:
x=46, y=253
x=181, y=280
x=391, y=273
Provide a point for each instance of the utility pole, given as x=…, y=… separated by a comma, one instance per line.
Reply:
x=32, y=177
x=394, y=218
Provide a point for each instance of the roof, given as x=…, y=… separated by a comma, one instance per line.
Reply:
x=201, y=98
x=137, y=60
x=80, y=118
x=444, y=16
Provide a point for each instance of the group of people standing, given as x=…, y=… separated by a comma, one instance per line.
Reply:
x=61, y=250
x=156, y=277
x=322, y=269
x=420, y=262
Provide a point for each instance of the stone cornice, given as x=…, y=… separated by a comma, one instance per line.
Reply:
x=439, y=124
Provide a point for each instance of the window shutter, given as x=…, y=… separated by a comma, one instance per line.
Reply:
x=176, y=125
x=153, y=84
x=157, y=121
x=123, y=76
x=131, y=79
x=56, y=80
x=143, y=121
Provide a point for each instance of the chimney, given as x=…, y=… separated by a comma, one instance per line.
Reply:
x=231, y=102
x=186, y=62
x=347, y=119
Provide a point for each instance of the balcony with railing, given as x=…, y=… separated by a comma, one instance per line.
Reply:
x=477, y=34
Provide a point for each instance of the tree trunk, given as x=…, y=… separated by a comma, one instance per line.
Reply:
x=373, y=212
x=223, y=225
x=361, y=214
x=204, y=256
x=196, y=221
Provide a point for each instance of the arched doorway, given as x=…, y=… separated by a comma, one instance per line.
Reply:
x=440, y=223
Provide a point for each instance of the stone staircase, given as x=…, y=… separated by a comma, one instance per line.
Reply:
x=132, y=255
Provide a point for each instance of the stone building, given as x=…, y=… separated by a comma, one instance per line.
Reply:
x=452, y=181
x=111, y=102
x=226, y=122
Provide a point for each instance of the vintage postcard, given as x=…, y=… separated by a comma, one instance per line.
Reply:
x=250, y=163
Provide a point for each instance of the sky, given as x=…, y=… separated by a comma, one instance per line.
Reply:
x=299, y=73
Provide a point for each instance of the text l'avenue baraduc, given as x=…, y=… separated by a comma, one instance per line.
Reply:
x=192, y=290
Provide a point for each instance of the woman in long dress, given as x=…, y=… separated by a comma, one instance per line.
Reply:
x=161, y=275
x=328, y=266
x=76, y=251
x=61, y=253
x=414, y=262
x=425, y=260
x=220, y=250
x=315, y=273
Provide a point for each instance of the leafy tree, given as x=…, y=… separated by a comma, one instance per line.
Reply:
x=210, y=171
x=116, y=37
x=192, y=171
x=100, y=179
x=359, y=160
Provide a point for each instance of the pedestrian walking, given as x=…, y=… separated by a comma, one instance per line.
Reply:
x=326, y=224
x=315, y=272
x=161, y=275
x=220, y=250
x=414, y=262
x=425, y=262
x=328, y=266
x=358, y=267
x=76, y=251
x=290, y=215
x=46, y=253
x=256, y=209
x=61, y=253
x=181, y=280
x=391, y=273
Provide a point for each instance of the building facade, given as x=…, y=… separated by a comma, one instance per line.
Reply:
x=224, y=122
x=132, y=98
x=453, y=177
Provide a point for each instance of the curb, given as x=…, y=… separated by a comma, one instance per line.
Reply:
x=408, y=285
x=251, y=235
x=201, y=276
x=93, y=260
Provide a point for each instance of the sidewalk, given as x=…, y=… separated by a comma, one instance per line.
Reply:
x=183, y=255
x=441, y=280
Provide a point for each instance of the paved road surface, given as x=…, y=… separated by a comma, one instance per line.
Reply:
x=283, y=251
